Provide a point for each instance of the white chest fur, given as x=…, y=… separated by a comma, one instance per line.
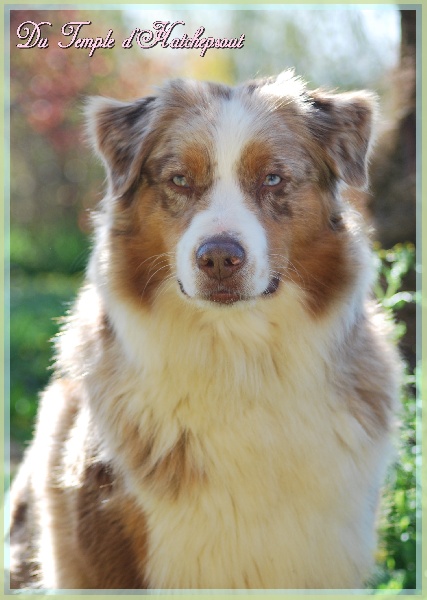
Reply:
x=283, y=504
x=280, y=480
x=284, y=489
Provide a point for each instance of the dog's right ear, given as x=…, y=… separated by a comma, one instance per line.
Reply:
x=117, y=130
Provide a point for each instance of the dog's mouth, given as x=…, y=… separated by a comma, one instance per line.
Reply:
x=272, y=286
x=223, y=295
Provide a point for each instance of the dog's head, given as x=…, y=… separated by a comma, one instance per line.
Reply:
x=228, y=195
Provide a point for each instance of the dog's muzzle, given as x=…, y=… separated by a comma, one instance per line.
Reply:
x=220, y=261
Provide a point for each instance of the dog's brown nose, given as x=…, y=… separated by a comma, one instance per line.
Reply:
x=220, y=257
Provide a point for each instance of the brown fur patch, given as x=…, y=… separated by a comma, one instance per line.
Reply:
x=173, y=471
x=198, y=163
x=24, y=566
x=110, y=531
x=141, y=261
x=321, y=269
x=257, y=160
x=307, y=240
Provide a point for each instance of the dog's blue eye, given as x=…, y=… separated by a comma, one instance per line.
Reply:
x=180, y=181
x=272, y=180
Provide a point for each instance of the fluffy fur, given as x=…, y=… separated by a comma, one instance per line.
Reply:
x=221, y=410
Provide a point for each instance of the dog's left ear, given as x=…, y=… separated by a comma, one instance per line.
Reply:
x=343, y=124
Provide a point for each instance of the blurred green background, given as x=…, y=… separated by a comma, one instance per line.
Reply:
x=55, y=181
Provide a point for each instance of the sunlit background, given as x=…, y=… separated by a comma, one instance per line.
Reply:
x=55, y=181
x=332, y=47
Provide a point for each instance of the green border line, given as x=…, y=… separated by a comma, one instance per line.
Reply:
x=421, y=260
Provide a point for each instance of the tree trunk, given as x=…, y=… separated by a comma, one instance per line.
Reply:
x=393, y=171
x=394, y=164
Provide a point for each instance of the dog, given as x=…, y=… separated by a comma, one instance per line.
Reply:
x=221, y=412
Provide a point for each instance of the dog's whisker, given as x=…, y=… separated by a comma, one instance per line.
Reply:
x=158, y=264
x=154, y=257
x=151, y=277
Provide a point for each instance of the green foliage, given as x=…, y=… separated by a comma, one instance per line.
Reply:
x=34, y=299
x=398, y=529
x=392, y=267
x=398, y=522
x=45, y=274
x=38, y=251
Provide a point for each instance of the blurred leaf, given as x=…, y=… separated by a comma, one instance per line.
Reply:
x=34, y=300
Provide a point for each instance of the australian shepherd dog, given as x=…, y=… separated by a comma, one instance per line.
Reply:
x=223, y=398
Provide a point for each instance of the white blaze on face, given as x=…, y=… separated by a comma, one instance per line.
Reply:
x=227, y=211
